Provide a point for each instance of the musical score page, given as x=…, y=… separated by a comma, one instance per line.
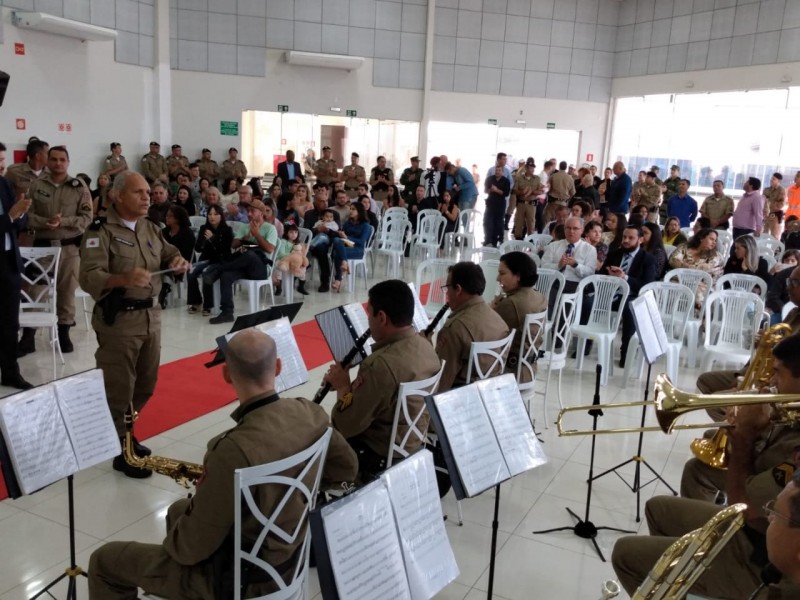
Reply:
x=37, y=439
x=430, y=563
x=649, y=327
x=358, y=318
x=472, y=440
x=82, y=399
x=364, y=549
x=421, y=320
x=512, y=425
x=293, y=368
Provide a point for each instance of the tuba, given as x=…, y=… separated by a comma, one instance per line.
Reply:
x=714, y=451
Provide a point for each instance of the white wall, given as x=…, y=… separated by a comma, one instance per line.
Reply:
x=64, y=80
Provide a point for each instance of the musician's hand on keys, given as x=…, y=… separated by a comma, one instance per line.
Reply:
x=338, y=377
x=751, y=420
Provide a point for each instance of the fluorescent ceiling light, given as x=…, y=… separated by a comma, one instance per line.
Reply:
x=48, y=23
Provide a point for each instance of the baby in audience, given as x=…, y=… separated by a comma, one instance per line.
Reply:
x=327, y=221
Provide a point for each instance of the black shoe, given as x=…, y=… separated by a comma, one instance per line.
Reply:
x=119, y=464
x=27, y=343
x=301, y=288
x=278, y=289
x=15, y=380
x=621, y=362
x=221, y=318
x=324, y=288
x=140, y=449
x=63, y=339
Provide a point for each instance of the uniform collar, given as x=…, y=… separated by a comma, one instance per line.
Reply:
x=400, y=335
x=469, y=303
x=243, y=409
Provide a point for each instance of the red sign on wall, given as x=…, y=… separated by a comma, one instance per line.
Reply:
x=61, y=127
x=68, y=127
x=19, y=49
x=590, y=157
x=21, y=124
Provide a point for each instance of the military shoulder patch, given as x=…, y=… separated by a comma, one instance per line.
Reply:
x=782, y=474
x=75, y=183
x=92, y=242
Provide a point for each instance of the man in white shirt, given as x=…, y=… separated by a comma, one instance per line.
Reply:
x=573, y=256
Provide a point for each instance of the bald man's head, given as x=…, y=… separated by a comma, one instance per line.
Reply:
x=251, y=358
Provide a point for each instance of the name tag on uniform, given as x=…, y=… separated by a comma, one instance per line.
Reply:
x=92, y=242
x=43, y=193
x=123, y=241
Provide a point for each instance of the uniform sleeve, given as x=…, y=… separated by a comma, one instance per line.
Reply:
x=341, y=463
x=168, y=251
x=35, y=221
x=197, y=534
x=508, y=312
x=83, y=217
x=94, y=266
x=449, y=348
x=373, y=390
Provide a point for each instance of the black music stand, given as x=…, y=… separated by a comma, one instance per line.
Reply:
x=653, y=344
x=584, y=528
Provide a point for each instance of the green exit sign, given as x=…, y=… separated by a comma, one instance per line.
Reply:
x=229, y=128
x=283, y=108
x=492, y=121
x=352, y=113
x=551, y=125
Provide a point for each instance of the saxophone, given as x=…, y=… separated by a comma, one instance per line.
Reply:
x=184, y=473
x=714, y=452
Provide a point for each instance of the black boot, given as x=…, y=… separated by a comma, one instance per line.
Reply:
x=301, y=287
x=27, y=343
x=11, y=378
x=506, y=220
x=63, y=339
x=119, y=464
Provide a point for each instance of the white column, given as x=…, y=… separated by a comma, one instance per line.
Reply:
x=422, y=146
x=162, y=78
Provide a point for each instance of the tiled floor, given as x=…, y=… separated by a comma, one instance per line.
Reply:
x=33, y=529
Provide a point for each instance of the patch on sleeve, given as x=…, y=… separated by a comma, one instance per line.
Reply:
x=357, y=383
x=782, y=474
x=93, y=242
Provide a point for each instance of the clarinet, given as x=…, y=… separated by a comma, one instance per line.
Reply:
x=439, y=316
x=326, y=387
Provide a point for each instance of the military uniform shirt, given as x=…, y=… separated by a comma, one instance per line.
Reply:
x=774, y=199
x=114, y=162
x=717, y=208
x=513, y=309
x=21, y=176
x=353, y=176
x=153, y=167
x=326, y=170
x=71, y=199
x=176, y=164
x=524, y=184
x=233, y=169
x=209, y=169
x=648, y=195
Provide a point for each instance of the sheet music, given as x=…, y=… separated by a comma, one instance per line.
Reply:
x=430, y=563
x=512, y=425
x=37, y=439
x=82, y=399
x=364, y=548
x=293, y=369
x=358, y=317
x=477, y=454
x=421, y=320
x=338, y=335
x=649, y=327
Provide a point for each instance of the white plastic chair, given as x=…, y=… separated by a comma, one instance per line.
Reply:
x=724, y=241
x=688, y=232
x=603, y=320
x=540, y=240
x=771, y=261
x=478, y=255
x=393, y=246
x=197, y=221
x=675, y=303
x=519, y=246
x=425, y=213
x=769, y=244
x=37, y=308
x=396, y=213
x=669, y=249
x=421, y=388
x=360, y=263
x=556, y=347
x=82, y=296
x=431, y=277
x=254, y=286
x=304, y=235
x=304, y=486
x=736, y=316
x=492, y=354
x=430, y=234
x=532, y=336
x=490, y=268
x=743, y=283
x=787, y=308
x=546, y=281
x=464, y=237
x=692, y=278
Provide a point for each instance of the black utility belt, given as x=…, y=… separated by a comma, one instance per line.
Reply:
x=39, y=243
x=128, y=304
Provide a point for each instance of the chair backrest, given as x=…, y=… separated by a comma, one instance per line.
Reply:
x=732, y=318
x=394, y=238
x=478, y=255
x=490, y=267
x=468, y=220
x=687, y=231
x=669, y=249
x=675, y=303
x=487, y=359
x=603, y=316
x=369, y=237
x=304, y=486
x=197, y=221
x=787, y=308
x=413, y=433
x=518, y=246
x=540, y=240
x=430, y=231
x=425, y=213
x=561, y=332
x=431, y=276
x=770, y=244
x=724, y=241
x=532, y=334
x=40, y=271
x=305, y=235
x=394, y=212
x=691, y=278
x=742, y=282
x=547, y=280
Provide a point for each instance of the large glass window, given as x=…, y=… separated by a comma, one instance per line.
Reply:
x=726, y=135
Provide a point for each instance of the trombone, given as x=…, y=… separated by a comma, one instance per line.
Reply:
x=671, y=404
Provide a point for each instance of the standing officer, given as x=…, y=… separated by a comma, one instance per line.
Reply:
x=200, y=530
x=208, y=167
x=232, y=167
x=117, y=263
x=115, y=162
x=12, y=220
x=177, y=162
x=20, y=176
x=154, y=166
x=325, y=170
x=718, y=208
x=648, y=194
x=411, y=178
x=352, y=175
x=61, y=211
x=669, y=188
x=366, y=406
x=527, y=187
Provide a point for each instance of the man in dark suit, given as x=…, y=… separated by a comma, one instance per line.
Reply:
x=13, y=219
x=631, y=262
x=289, y=170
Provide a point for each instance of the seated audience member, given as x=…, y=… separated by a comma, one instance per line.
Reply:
x=329, y=224
x=341, y=203
x=200, y=529
x=393, y=198
x=746, y=259
x=214, y=245
x=701, y=223
x=250, y=257
x=791, y=233
x=236, y=213
x=270, y=216
x=652, y=244
x=790, y=258
x=372, y=218
x=760, y=453
x=556, y=231
x=615, y=225
x=581, y=209
x=367, y=404
x=700, y=252
x=287, y=245
x=574, y=257
x=470, y=320
x=183, y=198
x=212, y=199
x=516, y=276
x=587, y=191
x=230, y=191
x=448, y=207
x=160, y=203
x=319, y=247
x=672, y=234
x=639, y=215
x=255, y=188
x=100, y=199
x=593, y=234
x=178, y=232
x=350, y=244
x=202, y=185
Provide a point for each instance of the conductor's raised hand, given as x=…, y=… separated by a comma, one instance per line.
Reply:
x=179, y=264
x=139, y=277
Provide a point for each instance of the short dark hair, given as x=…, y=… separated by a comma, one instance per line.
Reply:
x=522, y=265
x=778, y=176
x=113, y=145
x=501, y=155
x=2, y=147
x=688, y=182
x=548, y=163
x=58, y=149
x=697, y=238
x=754, y=182
x=35, y=145
x=319, y=185
x=180, y=214
x=562, y=166
x=788, y=352
x=395, y=299
x=329, y=210
x=468, y=276
x=635, y=227
x=719, y=181
x=703, y=222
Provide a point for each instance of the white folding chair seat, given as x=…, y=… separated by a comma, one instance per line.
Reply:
x=37, y=308
x=393, y=246
x=603, y=319
x=692, y=278
x=431, y=277
x=254, y=287
x=532, y=336
x=464, y=237
x=736, y=316
x=478, y=255
x=540, y=240
x=197, y=221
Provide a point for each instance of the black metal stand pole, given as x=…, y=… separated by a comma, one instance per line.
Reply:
x=639, y=460
x=495, y=525
x=73, y=571
x=584, y=528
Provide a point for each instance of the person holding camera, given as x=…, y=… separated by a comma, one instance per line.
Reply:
x=433, y=182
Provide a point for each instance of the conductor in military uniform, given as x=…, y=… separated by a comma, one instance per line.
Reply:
x=60, y=213
x=366, y=406
x=470, y=320
x=762, y=457
x=118, y=262
x=199, y=530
